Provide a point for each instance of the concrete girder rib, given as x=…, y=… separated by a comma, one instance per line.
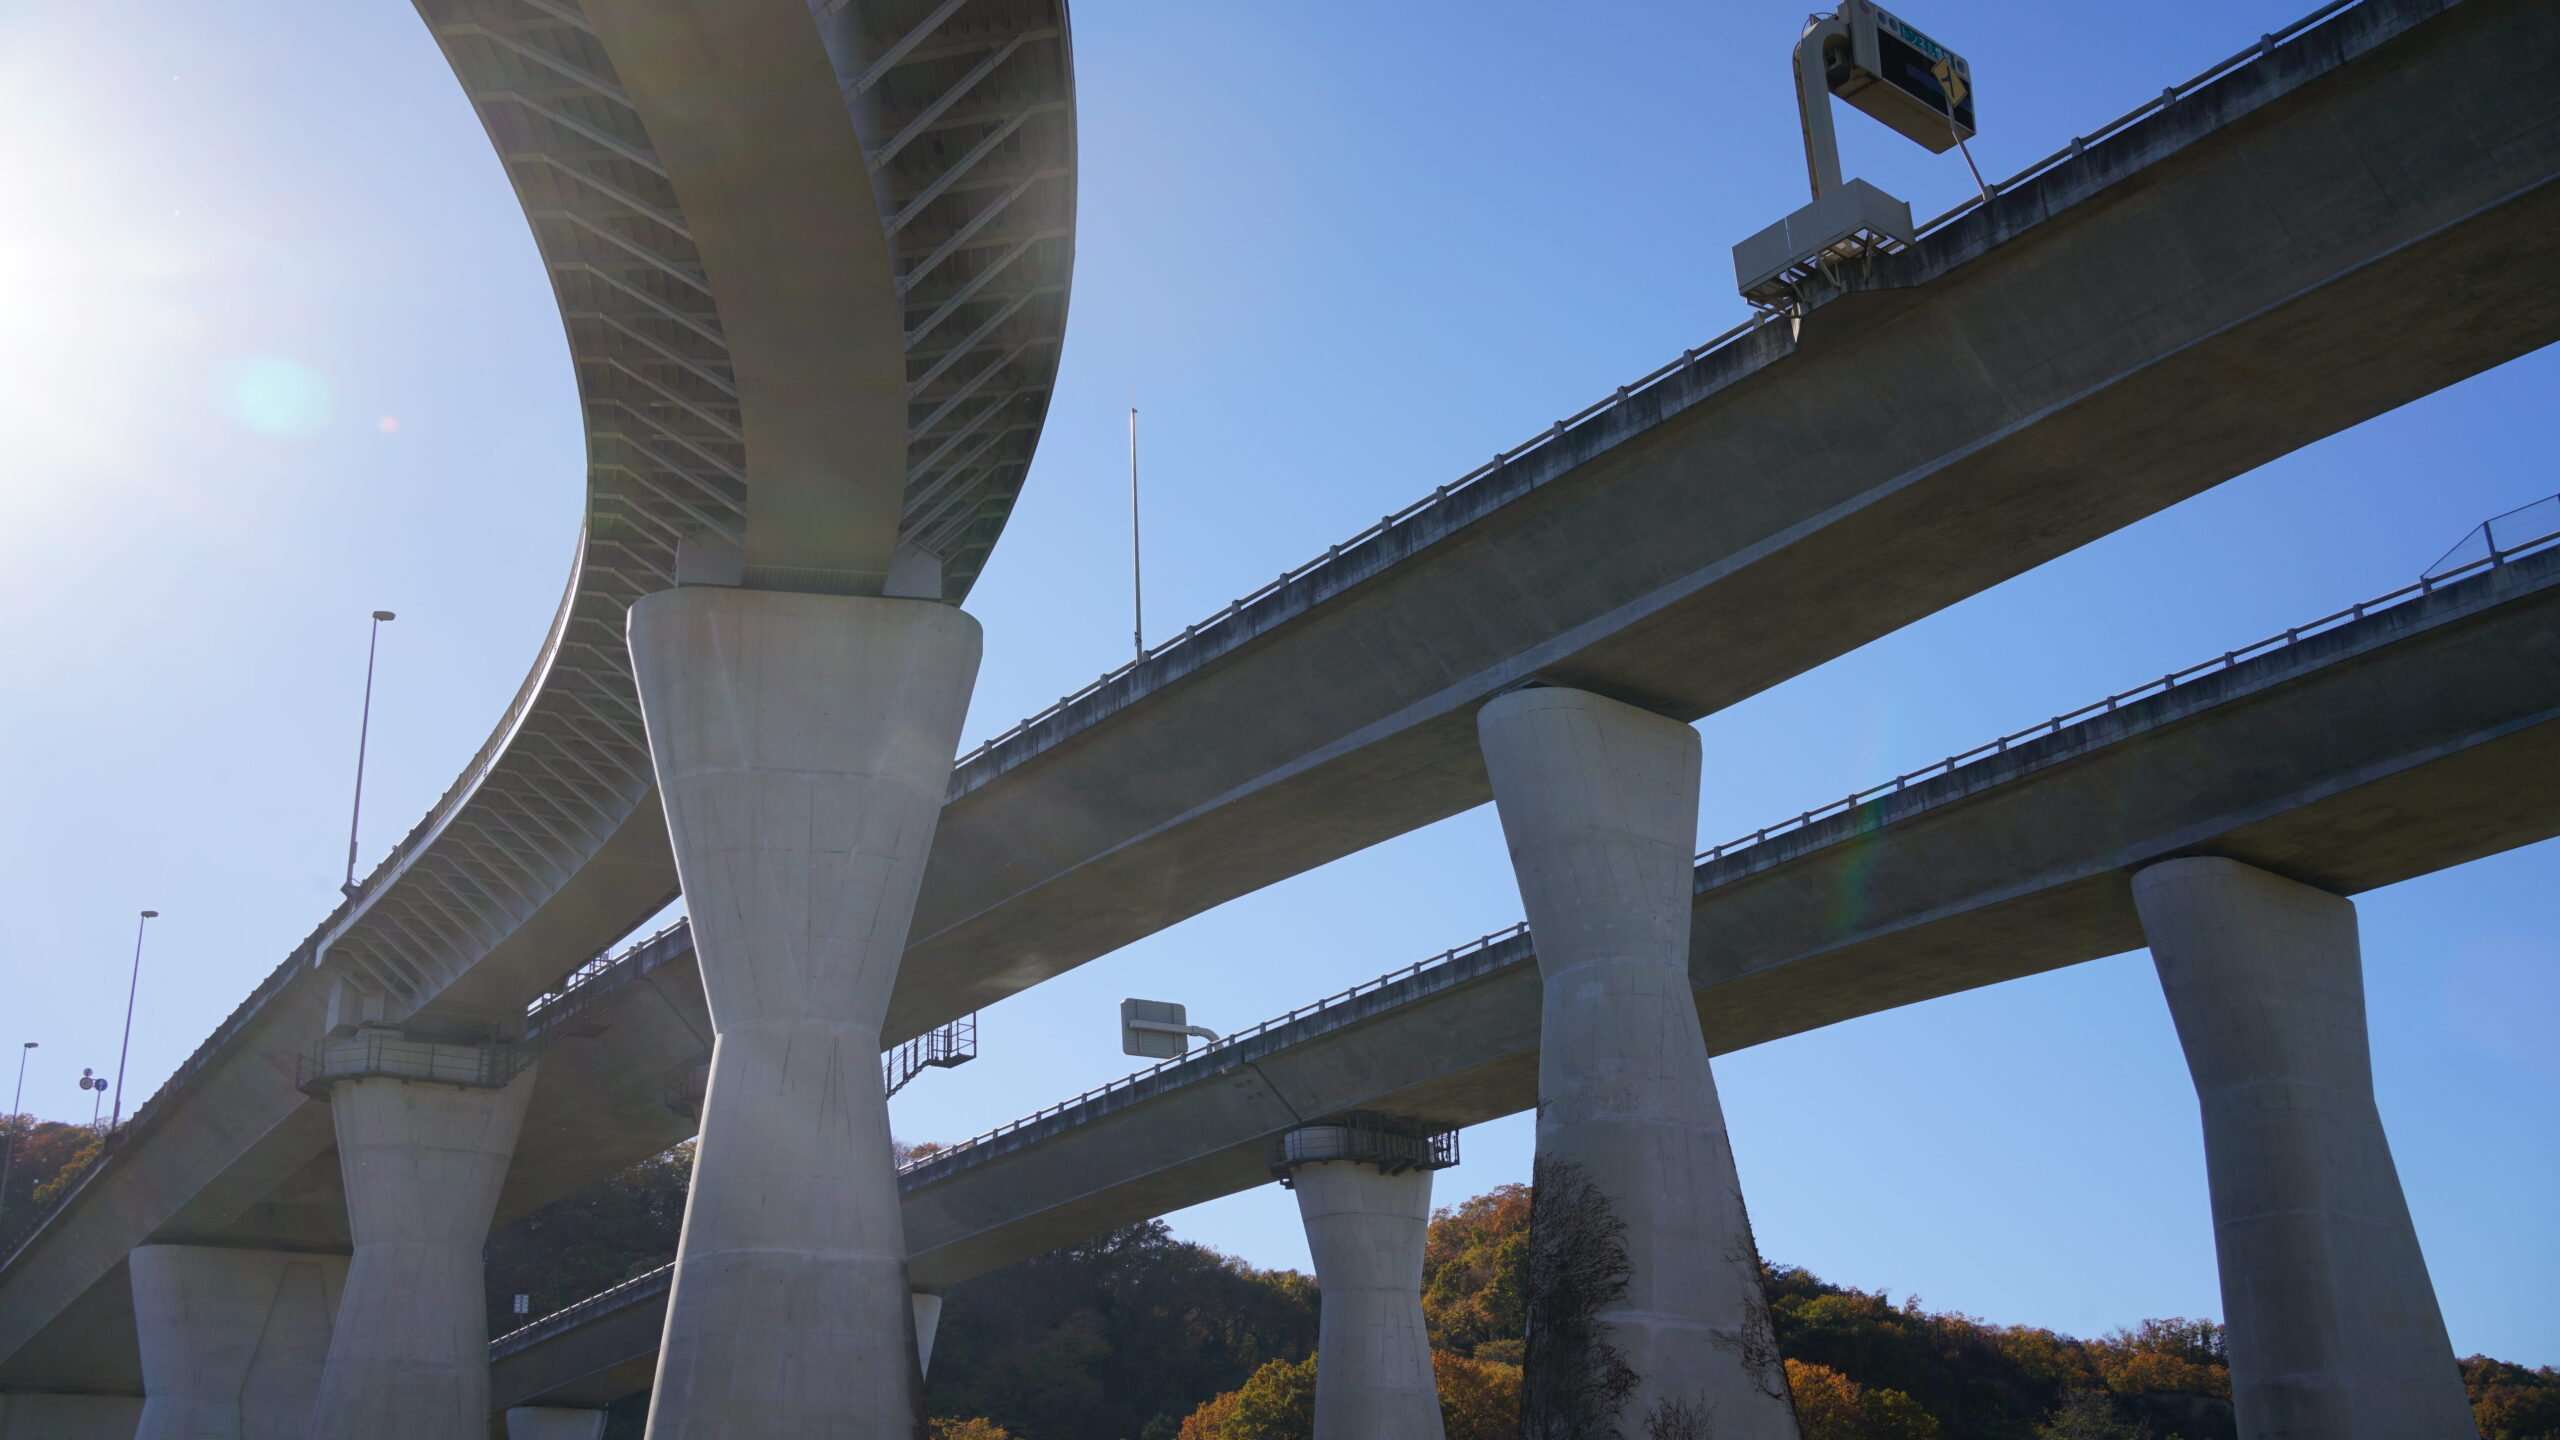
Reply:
x=422, y=1163
x=741, y=105
x=233, y=1341
x=802, y=746
x=1635, y=1174
x=2334, y=1328
x=1366, y=1229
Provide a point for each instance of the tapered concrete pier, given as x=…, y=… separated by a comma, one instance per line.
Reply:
x=1365, y=1196
x=422, y=1162
x=232, y=1341
x=2333, y=1329
x=803, y=744
x=1646, y=1315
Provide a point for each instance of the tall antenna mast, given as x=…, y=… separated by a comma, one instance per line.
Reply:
x=1137, y=584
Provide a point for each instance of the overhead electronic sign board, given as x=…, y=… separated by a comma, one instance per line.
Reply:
x=1918, y=87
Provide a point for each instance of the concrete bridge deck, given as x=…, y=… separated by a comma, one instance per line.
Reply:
x=2396, y=739
x=2337, y=226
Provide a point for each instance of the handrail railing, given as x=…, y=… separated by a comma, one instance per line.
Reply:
x=1225, y=1044
x=2426, y=585
x=1624, y=393
x=2080, y=143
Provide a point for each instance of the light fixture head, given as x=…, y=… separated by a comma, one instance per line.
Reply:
x=384, y=615
x=150, y=914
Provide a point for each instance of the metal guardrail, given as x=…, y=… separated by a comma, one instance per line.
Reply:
x=1219, y=1048
x=2229, y=658
x=2526, y=527
x=1216, y=1049
x=2080, y=144
x=591, y=984
x=1688, y=358
x=1362, y=1138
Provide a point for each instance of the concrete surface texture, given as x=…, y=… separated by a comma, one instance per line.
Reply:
x=409, y=1355
x=1343, y=703
x=802, y=745
x=28, y=1416
x=233, y=1341
x=1599, y=805
x=2333, y=1325
x=1366, y=1229
x=2420, y=736
x=548, y=1422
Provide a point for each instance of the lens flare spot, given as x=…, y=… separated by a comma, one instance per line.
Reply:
x=388, y=424
x=276, y=396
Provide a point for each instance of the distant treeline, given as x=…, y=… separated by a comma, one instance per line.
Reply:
x=1139, y=1336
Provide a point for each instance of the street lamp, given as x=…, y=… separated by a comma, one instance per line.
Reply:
x=135, y=988
x=10, y=1163
x=364, y=728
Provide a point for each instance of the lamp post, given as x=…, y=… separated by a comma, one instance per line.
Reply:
x=9, y=1164
x=133, y=989
x=364, y=729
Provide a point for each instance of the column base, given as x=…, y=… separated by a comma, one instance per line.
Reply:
x=232, y=1340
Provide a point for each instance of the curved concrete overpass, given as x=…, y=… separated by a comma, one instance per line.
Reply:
x=814, y=278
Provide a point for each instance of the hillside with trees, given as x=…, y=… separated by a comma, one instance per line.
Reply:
x=1138, y=1335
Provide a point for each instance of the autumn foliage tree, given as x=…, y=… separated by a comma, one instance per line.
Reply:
x=2512, y=1402
x=50, y=1158
x=1475, y=1275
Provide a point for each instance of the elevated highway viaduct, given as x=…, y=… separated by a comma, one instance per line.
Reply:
x=2394, y=740
x=2339, y=224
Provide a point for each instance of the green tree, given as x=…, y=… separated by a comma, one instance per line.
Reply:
x=50, y=1159
x=2511, y=1402
x=1475, y=1275
x=590, y=1242
x=2090, y=1415
x=1479, y=1399
x=1277, y=1403
x=1831, y=1406
x=1117, y=1339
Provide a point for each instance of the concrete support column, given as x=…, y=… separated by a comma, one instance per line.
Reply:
x=550, y=1422
x=1365, y=1226
x=232, y=1341
x=1646, y=1314
x=803, y=744
x=26, y=1415
x=422, y=1162
x=2333, y=1326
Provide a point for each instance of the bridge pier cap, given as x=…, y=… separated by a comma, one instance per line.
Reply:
x=1364, y=1193
x=1646, y=1314
x=2333, y=1324
x=803, y=744
x=422, y=1161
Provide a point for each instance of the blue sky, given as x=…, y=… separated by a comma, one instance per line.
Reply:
x=282, y=353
